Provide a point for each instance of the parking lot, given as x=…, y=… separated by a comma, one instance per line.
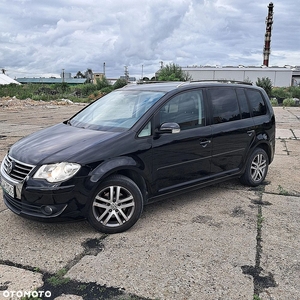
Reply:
x=226, y=241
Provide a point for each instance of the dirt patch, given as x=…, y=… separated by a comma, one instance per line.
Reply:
x=13, y=103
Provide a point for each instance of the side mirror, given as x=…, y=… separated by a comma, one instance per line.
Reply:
x=168, y=128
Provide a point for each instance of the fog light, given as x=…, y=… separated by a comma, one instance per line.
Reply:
x=48, y=210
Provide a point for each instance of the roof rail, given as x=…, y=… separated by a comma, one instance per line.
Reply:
x=222, y=81
x=148, y=82
x=179, y=83
x=157, y=81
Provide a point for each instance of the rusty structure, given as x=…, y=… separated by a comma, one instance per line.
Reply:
x=269, y=23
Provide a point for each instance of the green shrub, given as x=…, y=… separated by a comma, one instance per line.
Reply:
x=274, y=102
x=119, y=83
x=280, y=93
x=294, y=91
x=102, y=83
x=289, y=102
x=106, y=90
x=41, y=97
x=266, y=84
x=88, y=88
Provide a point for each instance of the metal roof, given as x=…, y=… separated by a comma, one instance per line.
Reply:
x=4, y=79
x=52, y=80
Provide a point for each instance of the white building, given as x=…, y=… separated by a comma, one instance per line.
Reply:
x=280, y=76
x=4, y=79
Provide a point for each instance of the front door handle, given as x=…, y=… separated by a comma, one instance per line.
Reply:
x=204, y=143
x=250, y=132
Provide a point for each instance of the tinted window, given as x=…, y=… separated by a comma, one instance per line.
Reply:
x=244, y=107
x=224, y=104
x=186, y=109
x=257, y=102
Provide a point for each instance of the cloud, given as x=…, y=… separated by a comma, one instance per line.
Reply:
x=42, y=37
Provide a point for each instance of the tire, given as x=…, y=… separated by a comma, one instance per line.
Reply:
x=256, y=168
x=116, y=206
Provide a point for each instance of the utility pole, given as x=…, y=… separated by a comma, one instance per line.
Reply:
x=269, y=23
x=63, y=75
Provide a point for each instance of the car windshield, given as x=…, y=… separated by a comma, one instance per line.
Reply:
x=117, y=111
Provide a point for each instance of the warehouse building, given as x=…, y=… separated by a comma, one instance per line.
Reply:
x=280, y=76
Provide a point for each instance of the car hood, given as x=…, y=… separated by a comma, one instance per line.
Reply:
x=59, y=143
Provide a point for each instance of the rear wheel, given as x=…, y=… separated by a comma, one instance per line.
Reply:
x=256, y=168
x=117, y=205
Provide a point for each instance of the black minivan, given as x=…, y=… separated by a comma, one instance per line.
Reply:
x=136, y=145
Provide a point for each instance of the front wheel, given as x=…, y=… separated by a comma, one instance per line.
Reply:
x=256, y=168
x=116, y=206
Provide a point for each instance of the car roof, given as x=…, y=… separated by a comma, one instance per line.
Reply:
x=172, y=85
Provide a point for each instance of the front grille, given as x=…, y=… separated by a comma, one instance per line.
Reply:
x=16, y=169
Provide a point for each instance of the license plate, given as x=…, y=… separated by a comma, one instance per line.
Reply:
x=7, y=187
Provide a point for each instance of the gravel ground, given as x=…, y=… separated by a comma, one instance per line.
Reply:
x=225, y=242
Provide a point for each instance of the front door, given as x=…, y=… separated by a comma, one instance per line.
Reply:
x=183, y=158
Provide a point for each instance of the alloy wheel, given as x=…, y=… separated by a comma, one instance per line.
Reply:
x=258, y=167
x=113, y=206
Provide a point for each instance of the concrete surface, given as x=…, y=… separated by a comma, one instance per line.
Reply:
x=223, y=242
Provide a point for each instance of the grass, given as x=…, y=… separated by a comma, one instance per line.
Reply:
x=282, y=191
x=58, y=278
x=77, y=93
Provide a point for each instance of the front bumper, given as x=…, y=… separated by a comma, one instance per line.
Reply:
x=30, y=210
x=41, y=201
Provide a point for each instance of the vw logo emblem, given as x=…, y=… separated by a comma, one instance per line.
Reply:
x=10, y=167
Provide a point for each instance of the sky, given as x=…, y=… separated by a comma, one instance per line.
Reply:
x=40, y=38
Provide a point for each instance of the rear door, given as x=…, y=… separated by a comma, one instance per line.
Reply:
x=232, y=129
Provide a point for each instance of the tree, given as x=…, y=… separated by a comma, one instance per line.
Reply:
x=102, y=83
x=173, y=72
x=266, y=84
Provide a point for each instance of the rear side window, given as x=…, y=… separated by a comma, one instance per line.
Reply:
x=224, y=105
x=244, y=107
x=257, y=102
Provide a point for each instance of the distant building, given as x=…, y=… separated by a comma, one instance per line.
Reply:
x=129, y=78
x=52, y=80
x=66, y=75
x=97, y=76
x=296, y=76
x=280, y=76
x=4, y=79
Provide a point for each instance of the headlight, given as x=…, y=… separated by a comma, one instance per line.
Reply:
x=57, y=172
